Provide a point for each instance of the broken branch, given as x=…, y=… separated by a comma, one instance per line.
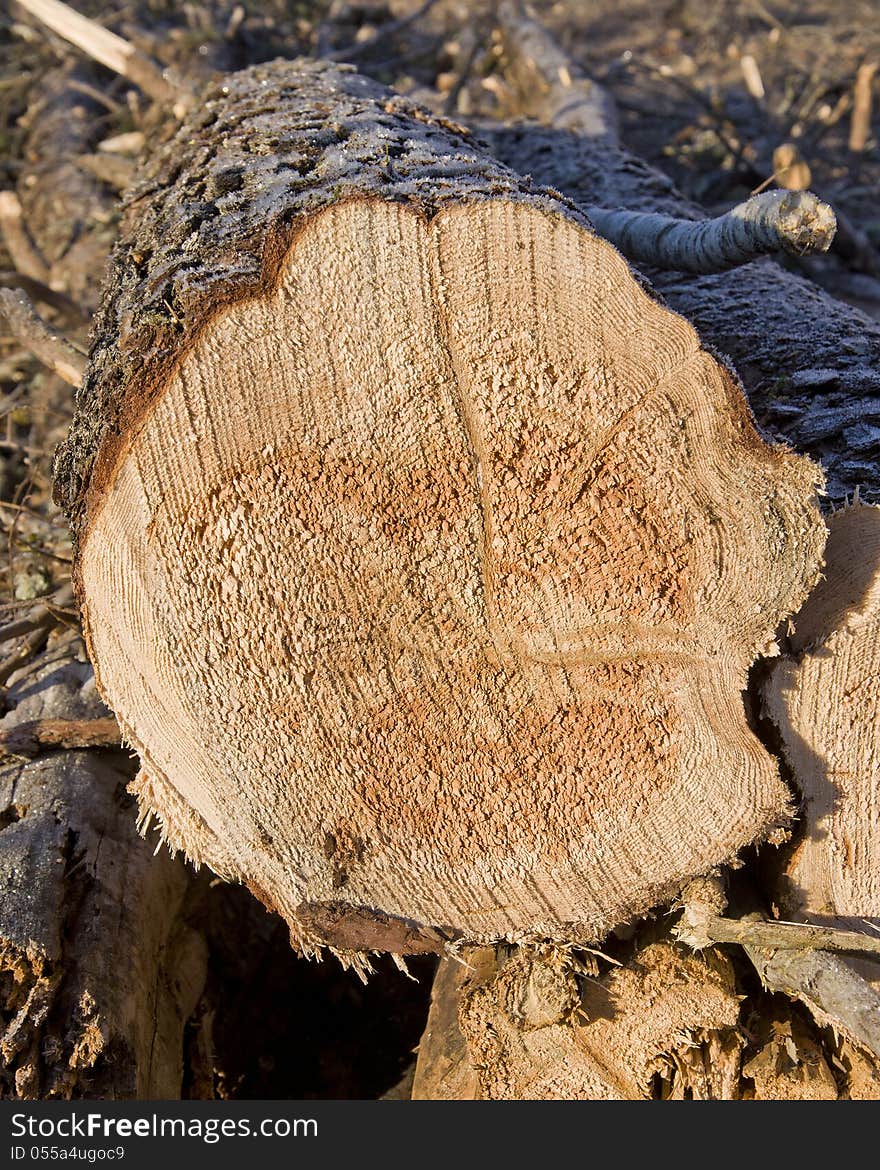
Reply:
x=780, y=936
x=791, y=958
x=21, y=248
x=41, y=735
x=776, y=221
x=35, y=335
x=110, y=50
x=38, y=291
x=561, y=94
x=833, y=992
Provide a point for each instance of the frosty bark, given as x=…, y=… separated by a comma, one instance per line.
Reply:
x=374, y=492
x=777, y=221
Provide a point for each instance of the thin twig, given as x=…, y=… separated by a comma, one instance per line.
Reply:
x=38, y=291
x=860, y=125
x=23, y=251
x=776, y=221
x=382, y=35
x=21, y=655
x=752, y=76
x=110, y=50
x=44, y=343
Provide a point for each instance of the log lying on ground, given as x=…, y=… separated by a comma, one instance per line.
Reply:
x=98, y=971
x=810, y=364
x=422, y=554
x=824, y=705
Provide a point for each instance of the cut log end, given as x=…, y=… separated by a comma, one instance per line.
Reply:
x=824, y=704
x=429, y=582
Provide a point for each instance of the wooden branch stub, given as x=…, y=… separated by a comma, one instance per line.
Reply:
x=32, y=737
x=777, y=221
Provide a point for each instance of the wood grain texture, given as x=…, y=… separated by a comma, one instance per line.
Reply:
x=425, y=575
x=535, y=1031
x=824, y=703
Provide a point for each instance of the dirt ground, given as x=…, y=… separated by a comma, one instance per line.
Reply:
x=725, y=97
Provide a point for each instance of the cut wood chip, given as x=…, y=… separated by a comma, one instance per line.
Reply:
x=422, y=554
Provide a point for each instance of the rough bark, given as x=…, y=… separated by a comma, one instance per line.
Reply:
x=444, y=1071
x=98, y=971
x=810, y=364
x=836, y=995
x=596, y=544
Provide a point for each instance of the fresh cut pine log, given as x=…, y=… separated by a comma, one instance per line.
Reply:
x=422, y=555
